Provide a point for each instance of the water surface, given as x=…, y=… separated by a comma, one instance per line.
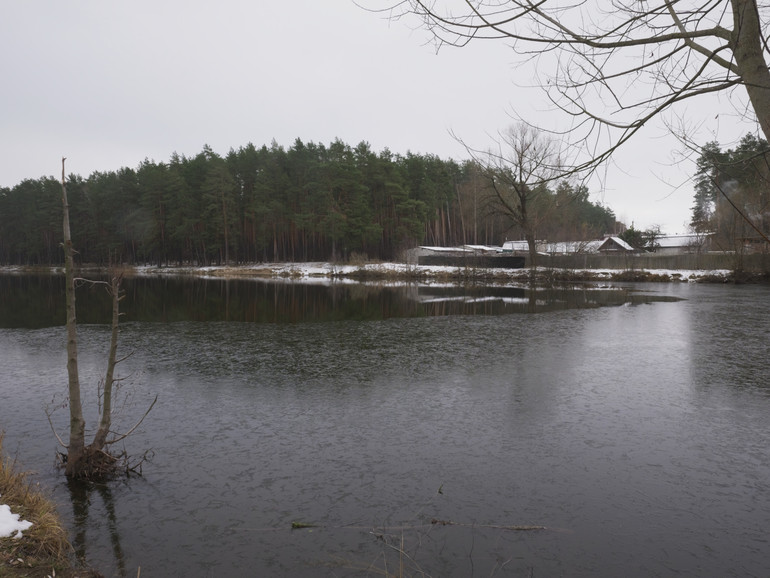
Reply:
x=637, y=433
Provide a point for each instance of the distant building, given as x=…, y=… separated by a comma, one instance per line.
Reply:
x=515, y=247
x=606, y=245
x=612, y=245
x=678, y=244
x=569, y=248
x=459, y=250
x=755, y=244
x=615, y=245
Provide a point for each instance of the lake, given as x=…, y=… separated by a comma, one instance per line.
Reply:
x=632, y=425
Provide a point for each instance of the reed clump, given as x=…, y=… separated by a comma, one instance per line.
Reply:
x=43, y=550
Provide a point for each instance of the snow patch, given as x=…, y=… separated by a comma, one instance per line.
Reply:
x=10, y=523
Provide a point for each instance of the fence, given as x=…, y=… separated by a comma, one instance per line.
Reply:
x=482, y=261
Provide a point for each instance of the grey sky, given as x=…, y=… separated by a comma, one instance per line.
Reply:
x=108, y=84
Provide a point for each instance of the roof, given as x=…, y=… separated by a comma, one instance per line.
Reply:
x=482, y=248
x=515, y=246
x=671, y=241
x=616, y=241
x=445, y=249
x=463, y=249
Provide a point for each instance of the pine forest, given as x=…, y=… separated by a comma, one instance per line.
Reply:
x=310, y=202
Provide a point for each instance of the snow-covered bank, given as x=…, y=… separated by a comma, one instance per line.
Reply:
x=406, y=272
x=401, y=272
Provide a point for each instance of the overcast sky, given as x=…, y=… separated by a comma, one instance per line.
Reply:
x=108, y=84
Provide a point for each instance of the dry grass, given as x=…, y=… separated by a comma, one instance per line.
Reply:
x=358, y=259
x=44, y=549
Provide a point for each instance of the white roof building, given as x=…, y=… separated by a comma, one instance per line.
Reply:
x=690, y=243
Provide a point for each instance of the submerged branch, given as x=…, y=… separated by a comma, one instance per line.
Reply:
x=434, y=522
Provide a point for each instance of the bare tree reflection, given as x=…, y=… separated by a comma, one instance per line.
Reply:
x=81, y=494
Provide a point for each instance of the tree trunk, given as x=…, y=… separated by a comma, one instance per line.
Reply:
x=532, y=244
x=526, y=225
x=84, y=461
x=224, y=218
x=746, y=43
x=106, y=418
x=76, y=447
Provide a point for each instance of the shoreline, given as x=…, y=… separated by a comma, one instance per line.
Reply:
x=408, y=273
x=42, y=549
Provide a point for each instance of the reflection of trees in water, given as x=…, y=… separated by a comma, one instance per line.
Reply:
x=481, y=300
x=81, y=494
x=34, y=301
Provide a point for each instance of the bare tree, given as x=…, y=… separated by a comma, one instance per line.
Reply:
x=618, y=64
x=519, y=172
x=88, y=461
x=76, y=447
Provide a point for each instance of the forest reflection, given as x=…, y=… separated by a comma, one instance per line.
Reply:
x=37, y=300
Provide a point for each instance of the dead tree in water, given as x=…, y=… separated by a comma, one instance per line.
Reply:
x=93, y=460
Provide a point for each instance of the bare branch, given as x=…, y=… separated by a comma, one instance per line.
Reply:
x=129, y=432
x=53, y=429
x=601, y=52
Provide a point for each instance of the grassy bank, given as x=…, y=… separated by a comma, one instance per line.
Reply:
x=43, y=550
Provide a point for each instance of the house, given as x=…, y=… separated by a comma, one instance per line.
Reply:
x=614, y=246
x=606, y=245
x=515, y=247
x=754, y=244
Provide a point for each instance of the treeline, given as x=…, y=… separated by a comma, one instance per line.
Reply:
x=305, y=203
x=732, y=194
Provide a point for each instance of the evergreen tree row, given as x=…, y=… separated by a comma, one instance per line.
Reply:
x=732, y=193
x=309, y=202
